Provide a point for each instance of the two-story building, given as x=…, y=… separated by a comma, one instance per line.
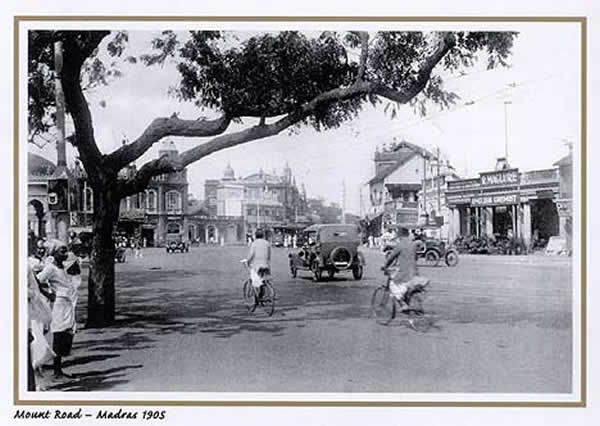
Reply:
x=506, y=201
x=159, y=213
x=396, y=196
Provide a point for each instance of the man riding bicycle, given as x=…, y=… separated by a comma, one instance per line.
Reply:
x=401, y=264
x=259, y=259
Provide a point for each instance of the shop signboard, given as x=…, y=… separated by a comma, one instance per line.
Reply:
x=495, y=200
x=500, y=178
x=458, y=185
x=459, y=198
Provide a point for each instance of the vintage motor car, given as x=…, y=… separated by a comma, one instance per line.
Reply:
x=177, y=244
x=329, y=248
x=430, y=247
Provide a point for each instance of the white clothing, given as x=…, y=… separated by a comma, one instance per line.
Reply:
x=65, y=288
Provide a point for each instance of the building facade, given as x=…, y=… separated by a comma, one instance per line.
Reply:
x=396, y=191
x=506, y=202
x=159, y=213
x=237, y=207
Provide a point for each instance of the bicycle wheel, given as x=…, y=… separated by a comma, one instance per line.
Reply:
x=249, y=296
x=383, y=306
x=267, y=301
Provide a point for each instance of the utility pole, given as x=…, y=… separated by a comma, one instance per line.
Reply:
x=343, y=201
x=258, y=209
x=506, y=104
x=424, y=189
x=439, y=204
x=60, y=106
x=60, y=180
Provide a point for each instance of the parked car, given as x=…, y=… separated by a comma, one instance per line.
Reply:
x=329, y=248
x=177, y=245
x=431, y=248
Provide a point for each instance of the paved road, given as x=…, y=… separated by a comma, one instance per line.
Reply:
x=500, y=324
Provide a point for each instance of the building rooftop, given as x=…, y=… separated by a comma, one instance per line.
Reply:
x=39, y=166
x=401, y=159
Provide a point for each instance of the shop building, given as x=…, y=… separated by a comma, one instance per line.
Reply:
x=396, y=191
x=505, y=202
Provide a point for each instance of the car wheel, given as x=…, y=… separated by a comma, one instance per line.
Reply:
x=432, y=258
x=357, y=272
x=317, y=272
x=451, y=258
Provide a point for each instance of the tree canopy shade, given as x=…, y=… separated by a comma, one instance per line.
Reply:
x=285, y=79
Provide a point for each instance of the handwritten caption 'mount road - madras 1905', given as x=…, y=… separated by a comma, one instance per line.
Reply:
x=100, y=414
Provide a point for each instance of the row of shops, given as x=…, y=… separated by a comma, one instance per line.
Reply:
x=411, y=189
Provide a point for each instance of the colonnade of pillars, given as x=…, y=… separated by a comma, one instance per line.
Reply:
x=479, y=221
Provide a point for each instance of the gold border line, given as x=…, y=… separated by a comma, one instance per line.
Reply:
x=338, y=18
x=16, y=206
x=582, y=20
x=583, y=231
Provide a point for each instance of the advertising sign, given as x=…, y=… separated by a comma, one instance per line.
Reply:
x=495, y=200
x=502, y=177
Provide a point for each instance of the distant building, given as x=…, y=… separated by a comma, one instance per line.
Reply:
x=238, y=206
x=159, y=213
x=396, y=190
x=39, y=171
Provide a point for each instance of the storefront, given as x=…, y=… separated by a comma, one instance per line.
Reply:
x=504, y=204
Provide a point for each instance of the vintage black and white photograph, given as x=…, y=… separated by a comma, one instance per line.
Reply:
x=355, y=210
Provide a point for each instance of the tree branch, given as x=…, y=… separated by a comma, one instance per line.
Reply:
x=263, y=130
x=364, y=54
x=77, y=47
x=162, y=127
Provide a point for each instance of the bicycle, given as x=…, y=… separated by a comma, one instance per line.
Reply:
x=263, y=296
x=383, y=305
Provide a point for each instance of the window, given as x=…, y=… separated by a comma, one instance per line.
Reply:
x=173, y=201
x=128, y=203
x=88, y=200
x=173, y=228
x=151, y=200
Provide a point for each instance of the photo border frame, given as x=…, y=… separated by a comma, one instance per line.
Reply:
x=581, y=20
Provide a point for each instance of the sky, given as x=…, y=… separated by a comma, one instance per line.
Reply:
x=542, y=85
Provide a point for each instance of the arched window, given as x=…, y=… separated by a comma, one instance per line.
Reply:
x=151, y=200
x=88, y=200
x=173, y=201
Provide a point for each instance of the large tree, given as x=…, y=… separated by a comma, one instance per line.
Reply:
x=278, y=81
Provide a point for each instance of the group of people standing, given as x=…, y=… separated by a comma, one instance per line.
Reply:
x=53, y=280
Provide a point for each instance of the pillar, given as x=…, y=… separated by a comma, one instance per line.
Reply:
x=515, y=212
x=478, y=221
x=62, y=227
x=489, y=222
x=525, y=229
x=469, y=211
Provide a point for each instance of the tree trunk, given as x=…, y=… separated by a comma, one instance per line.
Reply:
x=101, y=282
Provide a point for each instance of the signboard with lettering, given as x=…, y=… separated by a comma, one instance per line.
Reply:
x=454, y=185
x=501, y=177
x=459, y=198
x=495, y=200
